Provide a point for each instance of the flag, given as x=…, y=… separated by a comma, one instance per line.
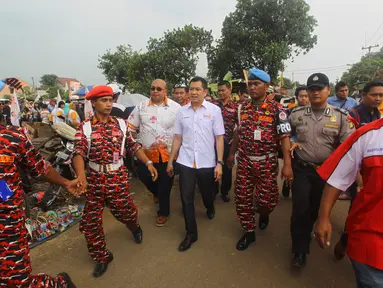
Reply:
x=37, y=97
x=281, y=81
x=295, y=86
x=66, y=88
x=58, y=98
x=88, y=109
x=15, y=110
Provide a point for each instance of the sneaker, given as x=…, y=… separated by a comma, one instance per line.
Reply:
x=161, y=220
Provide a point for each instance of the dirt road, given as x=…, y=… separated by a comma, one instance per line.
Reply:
x=212, y=262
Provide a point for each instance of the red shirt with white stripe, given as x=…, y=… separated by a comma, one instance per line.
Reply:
x=362, y=150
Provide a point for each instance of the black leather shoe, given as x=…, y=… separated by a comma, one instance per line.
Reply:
x=137, y=235
x=299, y=260
x=186, y=244
x=225, y=198
x=101, y=268
x=210, y=213
x=245, y=241
x=67, y=280
x=263, y=222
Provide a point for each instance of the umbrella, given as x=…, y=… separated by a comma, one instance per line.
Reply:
x=82, y=91
x=129, y=100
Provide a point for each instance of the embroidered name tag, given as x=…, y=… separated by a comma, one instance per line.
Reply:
x=209, y=116
x=7, y=159
x=266, y=119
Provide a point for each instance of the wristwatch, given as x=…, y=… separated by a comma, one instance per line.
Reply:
x=148, y=163
x=221, y=162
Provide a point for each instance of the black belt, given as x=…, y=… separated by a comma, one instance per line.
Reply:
x=306, y=163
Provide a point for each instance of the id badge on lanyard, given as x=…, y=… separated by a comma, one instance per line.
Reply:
x=257, y=135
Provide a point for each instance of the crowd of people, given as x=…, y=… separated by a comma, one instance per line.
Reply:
x=201, y=138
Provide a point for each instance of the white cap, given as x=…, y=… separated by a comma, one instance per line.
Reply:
x=115, y=88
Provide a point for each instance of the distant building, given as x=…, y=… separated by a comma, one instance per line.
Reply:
x=69, y=84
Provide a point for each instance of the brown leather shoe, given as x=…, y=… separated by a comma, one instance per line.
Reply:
x=161, y=220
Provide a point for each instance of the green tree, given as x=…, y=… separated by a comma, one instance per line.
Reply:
x=262, y=33
x=48, y=80
x=173, y=58
x=369, y=68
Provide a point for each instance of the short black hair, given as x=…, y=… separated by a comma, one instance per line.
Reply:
x=182, y=87
x=372, y=84
x=61, y=103
x=226, y=83
x=199, y=79
x=299, y=89
x=339, y=85
x=44, y=106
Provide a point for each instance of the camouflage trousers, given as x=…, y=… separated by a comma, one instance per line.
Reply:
x=256, y=189
x=109, y=189
x=15, y=269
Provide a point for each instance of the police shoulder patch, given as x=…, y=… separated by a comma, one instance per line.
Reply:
x=343, y=111
x=299, y=108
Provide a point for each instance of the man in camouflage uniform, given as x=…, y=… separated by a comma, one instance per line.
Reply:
x=263, y=125
x=16, y=151
x=101, y=141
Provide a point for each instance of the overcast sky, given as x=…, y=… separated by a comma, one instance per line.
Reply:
x=66, y=37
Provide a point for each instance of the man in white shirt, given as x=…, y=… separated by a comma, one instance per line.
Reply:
x=199, y=127
x=155, y=119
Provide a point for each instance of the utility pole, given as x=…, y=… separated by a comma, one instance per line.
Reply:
x=370, y=47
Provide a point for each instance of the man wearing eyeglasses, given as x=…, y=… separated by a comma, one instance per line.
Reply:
x=155, y=119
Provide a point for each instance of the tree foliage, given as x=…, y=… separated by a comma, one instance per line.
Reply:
x=48, y=80
x=369, y=68
x=172, y=58
x=262, y=33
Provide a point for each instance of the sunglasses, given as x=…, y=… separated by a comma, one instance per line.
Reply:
x=158, y=89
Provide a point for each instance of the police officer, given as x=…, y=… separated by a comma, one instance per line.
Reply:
x=16, y=151
x=101, y=141
x=263, y=125
x=318, y=129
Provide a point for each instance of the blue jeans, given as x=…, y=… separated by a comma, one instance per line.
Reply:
x=367, y=276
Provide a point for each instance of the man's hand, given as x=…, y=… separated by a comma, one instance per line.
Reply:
x=230, y=161
x=287, y=174
x=73, y=187
x=218, y=172
x=170, y=169
x=323, y=231
x=294, y=146
x=153, y=172
x=83, y=184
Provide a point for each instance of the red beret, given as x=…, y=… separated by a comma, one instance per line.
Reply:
x=98, y=92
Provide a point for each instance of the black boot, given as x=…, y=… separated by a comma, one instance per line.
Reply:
x=246, y=240
x=101, y=268
x=67, y=280
x=263, y=222
x=299, y=260
x=137, y=235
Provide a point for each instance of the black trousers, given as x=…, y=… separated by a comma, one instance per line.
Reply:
x=161, y=188
x=307, y=192
x=226, y=173
x=188, y=178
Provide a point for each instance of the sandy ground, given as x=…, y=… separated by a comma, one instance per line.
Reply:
x=212, y=262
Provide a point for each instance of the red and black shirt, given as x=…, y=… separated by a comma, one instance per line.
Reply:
x=230, y=116
x=17, y=152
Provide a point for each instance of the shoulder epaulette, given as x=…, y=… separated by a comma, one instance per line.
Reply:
x=298, y=108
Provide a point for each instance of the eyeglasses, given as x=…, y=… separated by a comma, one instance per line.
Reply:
x=158, y=89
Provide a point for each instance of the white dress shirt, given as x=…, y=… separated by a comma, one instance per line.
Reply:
x=198, y=130
x=156, y=127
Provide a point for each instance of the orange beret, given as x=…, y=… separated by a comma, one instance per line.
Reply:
x=98, y=92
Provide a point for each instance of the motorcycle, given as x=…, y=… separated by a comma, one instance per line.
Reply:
x=62, y=163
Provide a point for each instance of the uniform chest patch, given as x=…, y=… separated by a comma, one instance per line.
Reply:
x=5, y=159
